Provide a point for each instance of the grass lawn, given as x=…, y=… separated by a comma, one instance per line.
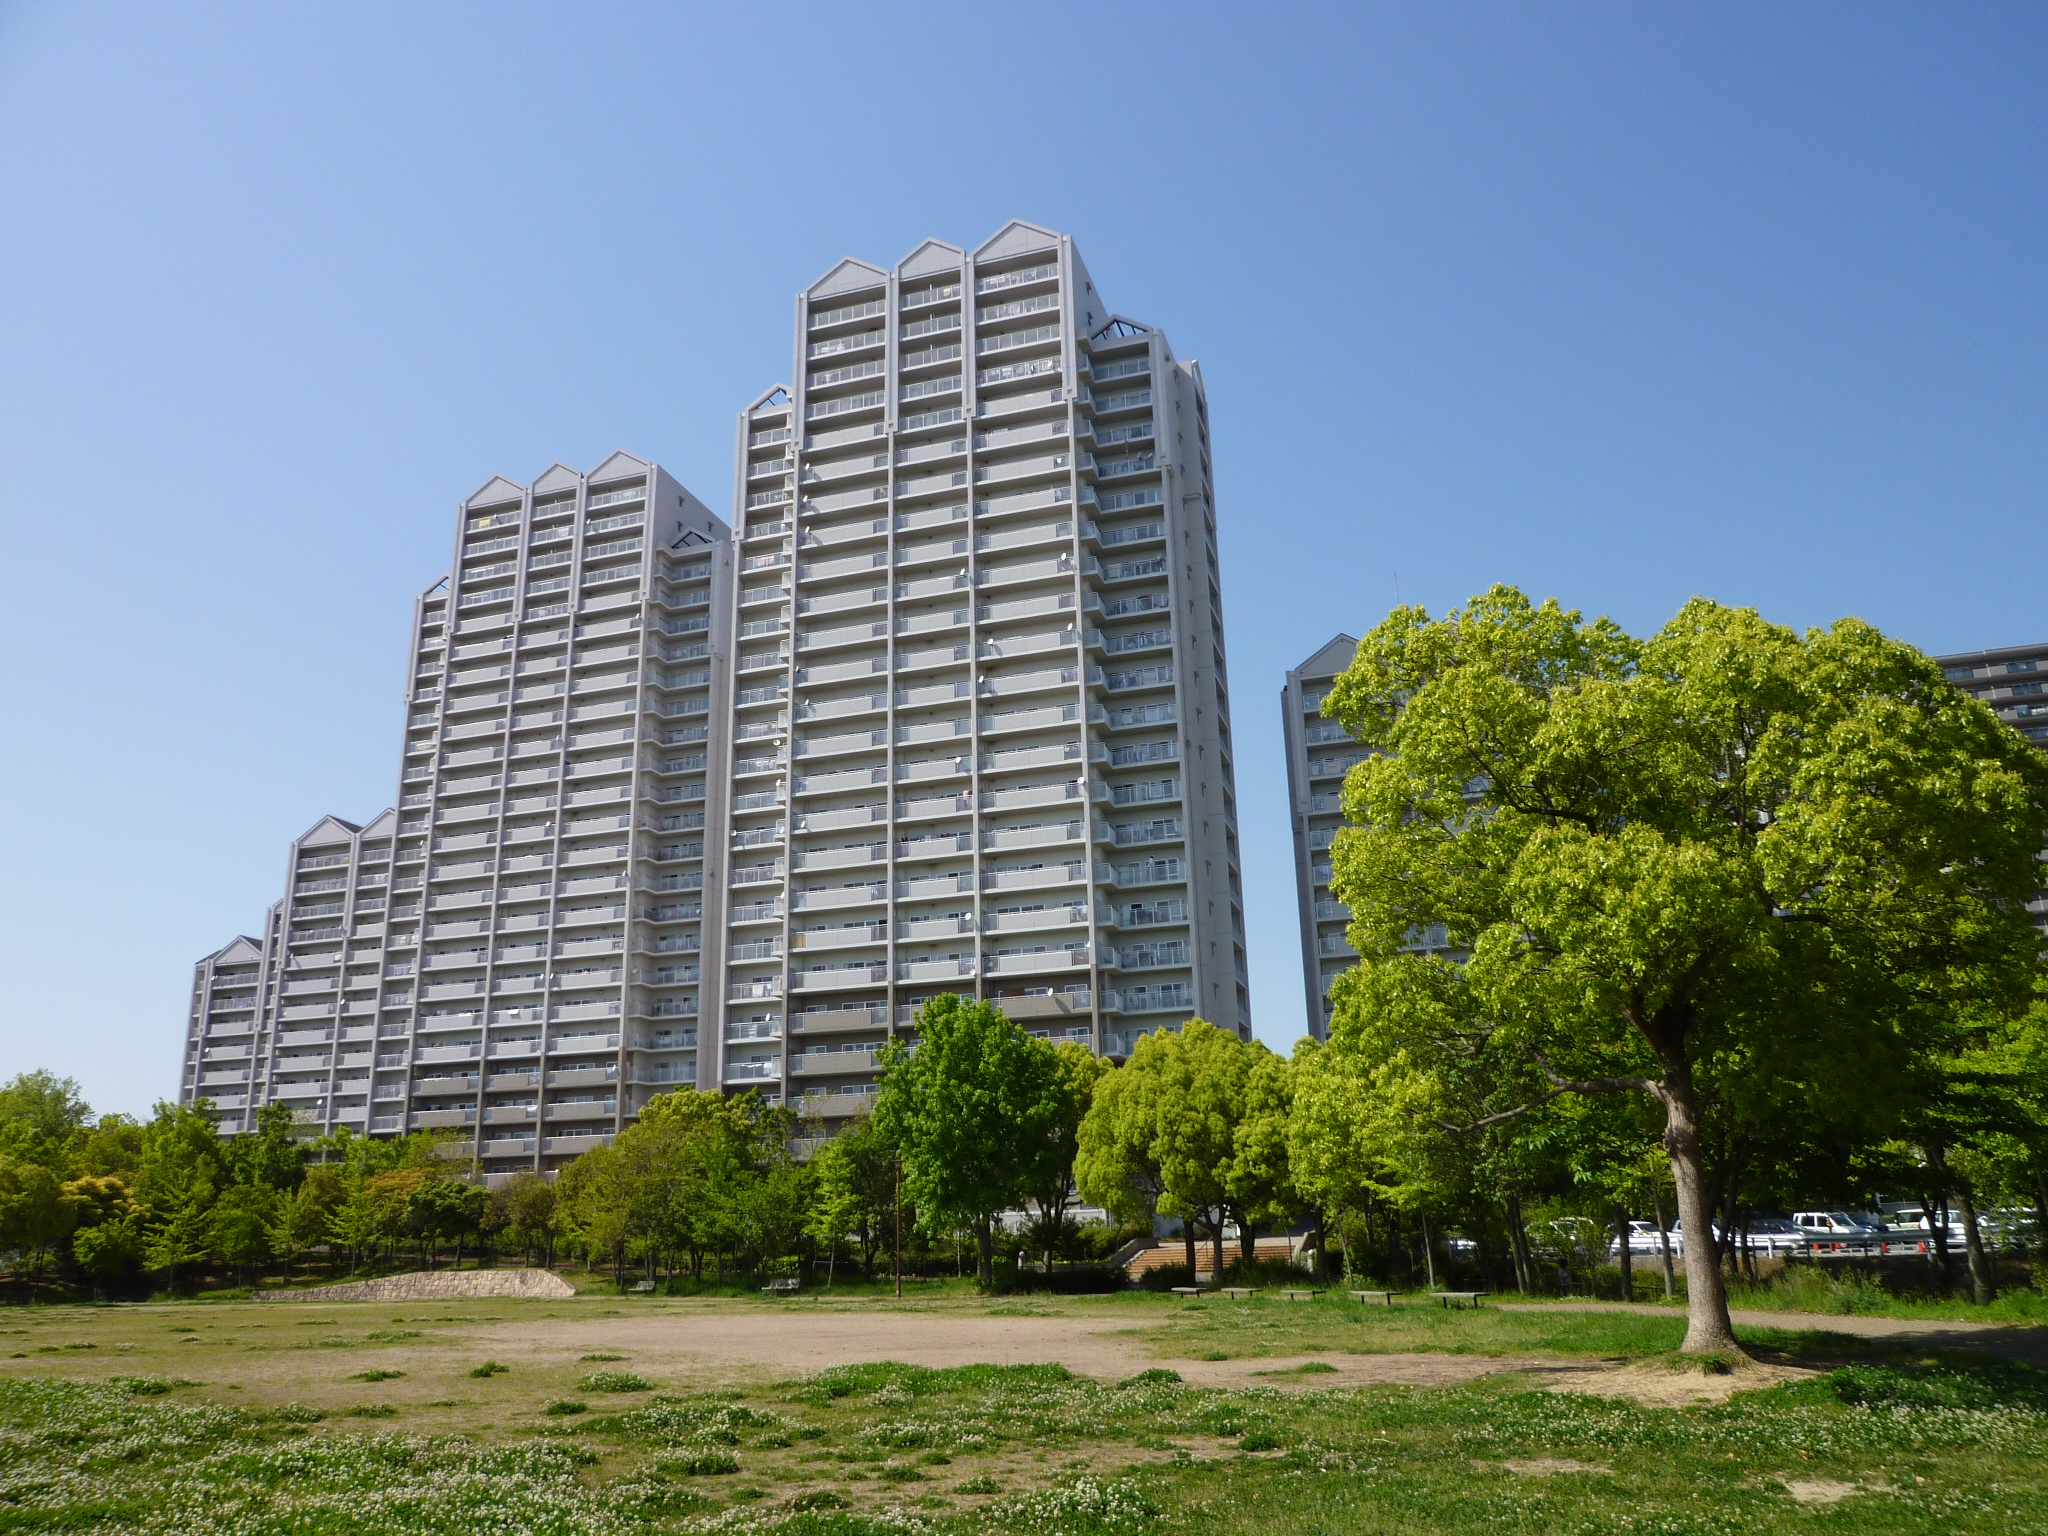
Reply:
x=257, y=1418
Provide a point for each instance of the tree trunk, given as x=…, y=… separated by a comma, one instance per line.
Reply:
x=2040, y=1171
x=1187, y=1232
x=1982, y=1290
x=1216, y=1242
x=1937, y=1229
x=1518, y=1244
x=1428, y=1250
x=1247, y=1238
x=1622, y=1255
x=1707, y=1328
x=1664, y=1242
x=985, y=1243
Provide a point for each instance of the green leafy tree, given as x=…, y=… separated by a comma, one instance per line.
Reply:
x=271, y=1152
x=303, y=1217
x=97, y=1199
x=527, y=1212
x=1260, y=1177
x=1052, y=1185
x=239, y=1226
x=854, y=1192
x=835, y=1205
x=1708, y=868
x=1163, y=1127
x=34, y=1215
x=1116, y=1163
x=109, y=1250
x=178, y=1231
x=40, y=1113
x=971, y=1110
x=447, y=1210
x=182, y=1160
x=113, y=1147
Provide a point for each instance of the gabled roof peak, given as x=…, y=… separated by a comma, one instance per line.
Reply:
x=493, y=491
x=618, y=467
x=1017, y=238
x=846, y=277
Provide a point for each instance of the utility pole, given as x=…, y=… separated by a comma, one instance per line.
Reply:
x=899, y=1228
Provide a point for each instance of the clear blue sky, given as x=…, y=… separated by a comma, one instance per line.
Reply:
x=1619, y=303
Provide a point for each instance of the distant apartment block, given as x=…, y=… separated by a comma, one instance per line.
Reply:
x=1319, y=753
x=2014, y=682
x=292, y=1016
x=981, y=737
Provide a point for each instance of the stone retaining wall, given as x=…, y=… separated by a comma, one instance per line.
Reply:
x=440, y=1285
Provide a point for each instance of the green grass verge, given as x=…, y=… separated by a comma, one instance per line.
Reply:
x=1033, y=1451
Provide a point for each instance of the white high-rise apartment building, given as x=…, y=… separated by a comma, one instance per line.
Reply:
x=981, y=719
x=1319, y=753
x=292, y=1016
x=543, y=980
x=953, y=716
x=514, y=952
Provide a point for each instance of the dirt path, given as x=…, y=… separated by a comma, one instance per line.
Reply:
x=727, y=1344
x=2029, y=1346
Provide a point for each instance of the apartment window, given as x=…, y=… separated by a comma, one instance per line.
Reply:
x=2019, y=666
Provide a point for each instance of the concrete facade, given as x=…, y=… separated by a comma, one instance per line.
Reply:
x=292, y=1016
x=1319, y=753
x=2014, y=682
x=981, y=738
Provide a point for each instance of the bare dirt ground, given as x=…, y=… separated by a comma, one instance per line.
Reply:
x=719, y=1343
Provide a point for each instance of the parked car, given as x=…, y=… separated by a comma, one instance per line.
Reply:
x=1835, y=1228
x=1644, y=1242
x=1915, y=1218
x=1771, y=1235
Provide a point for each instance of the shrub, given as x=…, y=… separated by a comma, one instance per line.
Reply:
x=562, y=1407
x=490, y=1368
x=376, y=1376
x=1158, y=1376
x=614, y=1381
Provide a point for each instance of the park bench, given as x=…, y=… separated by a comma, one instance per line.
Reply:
x=1187, y=1290
x=1385, y=1298
x=1299, y=1295
x=1451, y=1299
x=784, y=1287
x=1238, y=1292
x=643, y=1287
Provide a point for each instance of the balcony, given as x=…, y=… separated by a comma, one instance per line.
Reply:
x=819, y=1061
x=935, y=970
x=828, y=1020
x=821, y=977
x=590, y=1109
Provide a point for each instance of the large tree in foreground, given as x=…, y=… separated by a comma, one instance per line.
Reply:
x=1727, y=863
